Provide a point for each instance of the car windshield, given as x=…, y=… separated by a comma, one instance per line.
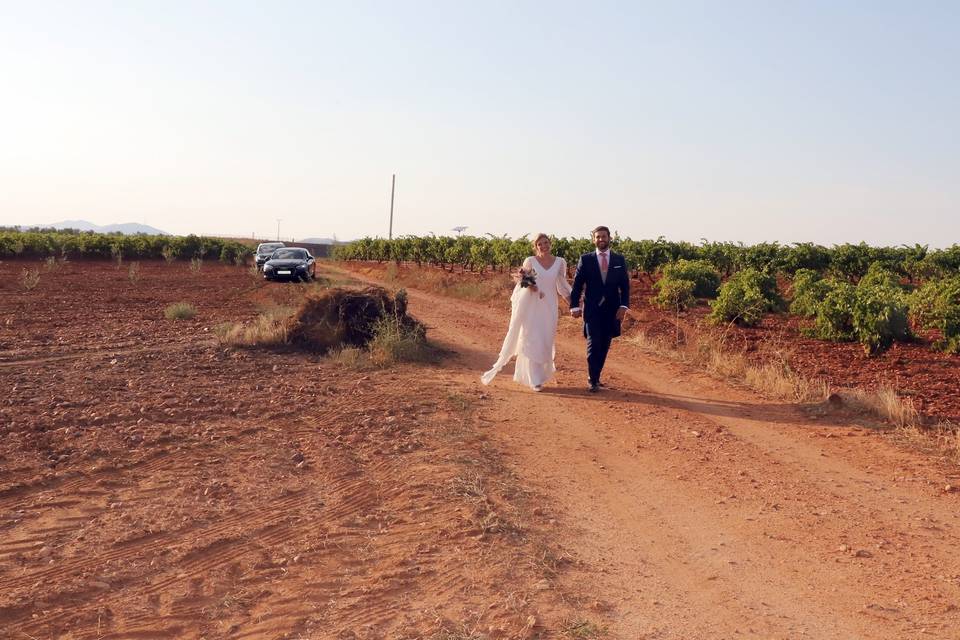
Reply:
x=289, y=254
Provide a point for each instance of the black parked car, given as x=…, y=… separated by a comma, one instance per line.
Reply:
x=290, y=263
x=264, y=251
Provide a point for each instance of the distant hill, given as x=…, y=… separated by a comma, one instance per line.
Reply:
x=128, y=228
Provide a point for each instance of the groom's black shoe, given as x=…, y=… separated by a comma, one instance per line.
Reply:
x=594, y=387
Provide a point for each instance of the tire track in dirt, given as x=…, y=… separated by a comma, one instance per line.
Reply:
x=22, y=358
x=78, y=483
x=257, y=518
x=348, y=490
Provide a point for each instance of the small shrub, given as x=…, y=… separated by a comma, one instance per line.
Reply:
x=834, y=316
x=700, y=272
x=874, y=313
x=675, y=294
x=180, y=311
x=809, y=290
x=133, y=272
x=745, y=297
x=196, y=264
x=878, y=276
x=950, y=327
x=925, y=303
x=879, y=316
x=51, y=264
x=30, y=278
x=936, y=305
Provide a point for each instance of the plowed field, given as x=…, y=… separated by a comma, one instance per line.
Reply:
x=155, y=484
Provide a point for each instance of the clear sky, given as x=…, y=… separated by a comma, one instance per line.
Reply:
x=826, y=121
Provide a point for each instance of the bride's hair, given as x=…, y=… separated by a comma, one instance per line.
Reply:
x=537, y=239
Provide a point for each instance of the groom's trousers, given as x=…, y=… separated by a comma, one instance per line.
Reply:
x=598, y=344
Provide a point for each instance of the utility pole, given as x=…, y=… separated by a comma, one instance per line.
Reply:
x=393, y=186
x=278, y=229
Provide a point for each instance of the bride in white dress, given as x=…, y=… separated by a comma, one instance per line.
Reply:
x=533, y=319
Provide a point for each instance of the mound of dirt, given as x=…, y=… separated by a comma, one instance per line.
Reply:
x=341, y=317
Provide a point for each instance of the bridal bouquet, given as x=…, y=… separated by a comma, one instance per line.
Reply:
x=527, y=278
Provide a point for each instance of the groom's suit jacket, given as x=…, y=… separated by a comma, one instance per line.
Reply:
x=601, y=299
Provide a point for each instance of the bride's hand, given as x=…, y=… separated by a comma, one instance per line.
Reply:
x=533, y=288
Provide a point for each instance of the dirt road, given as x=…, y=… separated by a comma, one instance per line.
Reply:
x=703, y=511
x=154, y=484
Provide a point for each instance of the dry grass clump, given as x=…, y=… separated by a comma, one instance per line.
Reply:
x=583, y=630
x=773, y=377
x=942, y=440
x=884, y=403
x=396, y=341
x=180, y=311
x=30, y=278
x=267, y=330
x=116, y=252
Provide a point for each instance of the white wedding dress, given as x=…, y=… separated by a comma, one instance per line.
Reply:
x=533, y=326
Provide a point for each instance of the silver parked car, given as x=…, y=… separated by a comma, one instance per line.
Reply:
x=265, y=250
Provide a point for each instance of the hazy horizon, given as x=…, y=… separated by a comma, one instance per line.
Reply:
x=743, y=122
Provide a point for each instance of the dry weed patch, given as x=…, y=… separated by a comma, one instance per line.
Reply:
x=267, y=330
x=30, y=278
x=583, y=630
x=772, y=377
x=884, y=403
x=180, y=311
x=942, y=440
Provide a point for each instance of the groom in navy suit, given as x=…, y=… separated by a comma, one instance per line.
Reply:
x=603, y=280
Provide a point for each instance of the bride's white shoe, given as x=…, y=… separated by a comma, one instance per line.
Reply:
x=538, y=387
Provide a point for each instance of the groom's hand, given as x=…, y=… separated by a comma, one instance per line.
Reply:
x=621, y=312
x=576, y=313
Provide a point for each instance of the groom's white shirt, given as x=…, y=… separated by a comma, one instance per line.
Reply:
x=598, y=252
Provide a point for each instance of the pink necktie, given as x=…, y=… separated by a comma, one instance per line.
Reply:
x=603, y=264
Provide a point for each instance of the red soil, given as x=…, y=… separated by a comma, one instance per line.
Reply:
x=154, y=484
